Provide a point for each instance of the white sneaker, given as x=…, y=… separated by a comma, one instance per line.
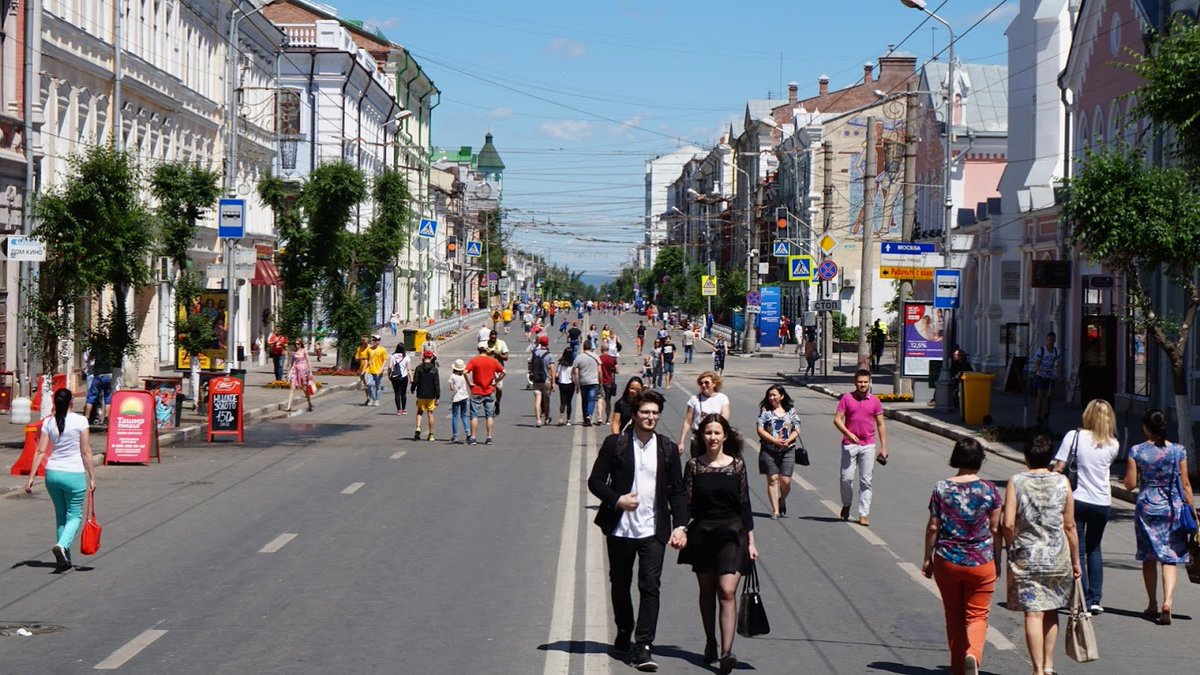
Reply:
x=971, y=665
x=1096, y=609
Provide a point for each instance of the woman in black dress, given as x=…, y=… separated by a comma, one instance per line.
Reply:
x=720, y=537
x=623, y=409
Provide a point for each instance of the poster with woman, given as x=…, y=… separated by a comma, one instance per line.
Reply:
x=923, y=339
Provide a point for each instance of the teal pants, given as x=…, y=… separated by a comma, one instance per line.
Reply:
x=67, y=490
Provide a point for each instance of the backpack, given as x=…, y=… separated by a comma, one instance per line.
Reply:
x=537, y=366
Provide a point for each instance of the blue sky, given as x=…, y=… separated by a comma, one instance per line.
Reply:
x=580, y=94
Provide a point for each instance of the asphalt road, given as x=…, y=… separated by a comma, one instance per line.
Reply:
x=332, y=542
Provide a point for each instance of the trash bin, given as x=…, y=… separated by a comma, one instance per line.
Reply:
x=977, y=397
x=410, y=338
x=239, y=373
x=419, y=339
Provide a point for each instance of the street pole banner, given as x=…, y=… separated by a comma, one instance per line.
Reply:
x=132, y=430
x=922, y=340
x=768, y=318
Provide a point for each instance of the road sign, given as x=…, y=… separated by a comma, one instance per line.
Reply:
x=492, y=276
x=781, y=249
x=827, y=243
x=801, y=267
x=708, y=285
x=752, y=309
x=18, y=248
x=428, y=228
x=906, y=248
x=754, y=298
x=914, y=273
x=231, y=221
x=474, y=249
x=947, y=285
x=827, y=305
x=827, y=270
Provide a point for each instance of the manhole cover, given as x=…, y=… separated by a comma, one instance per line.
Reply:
x=11, y=628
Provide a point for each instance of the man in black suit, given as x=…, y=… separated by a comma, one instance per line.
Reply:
x=638, y=479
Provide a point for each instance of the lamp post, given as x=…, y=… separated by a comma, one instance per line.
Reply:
x=751, y=279
x=942, y=391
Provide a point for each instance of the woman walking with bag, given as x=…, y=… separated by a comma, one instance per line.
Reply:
x=964, y=517
x=778, y=431
x=623, y=409
x=1162, y=467
x=69, y=473
x=710, y=400
x=1091, y=450
x=1043, y=551
x=300, y=375
x=720, y=537
x=719, y=352
x=398, y=371
x=566, y=385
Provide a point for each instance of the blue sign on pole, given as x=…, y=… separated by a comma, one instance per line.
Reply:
x=428, y=228
x=768, y=316
x=781, y=249
x=906, y=248
x=947, y=286
x=474, y=249
x=231, y=219
x=827, y=270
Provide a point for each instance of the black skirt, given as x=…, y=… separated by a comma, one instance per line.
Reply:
x=717, y=547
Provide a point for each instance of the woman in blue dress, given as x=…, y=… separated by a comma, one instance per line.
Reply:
x=1157, y=462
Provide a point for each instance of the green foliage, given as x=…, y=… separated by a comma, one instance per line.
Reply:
x=184, y=192
x=842, y=330
x=296, y=272
x=1170, y=97
x=194, y=332
x=495, y=252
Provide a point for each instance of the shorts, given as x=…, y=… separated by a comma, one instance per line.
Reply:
x=426, y=405
x=543, y=387
x=100, y=385
x=776, y=462
x=483, y=406
x=668, y=368
x=608, y=390
x=1043, y=383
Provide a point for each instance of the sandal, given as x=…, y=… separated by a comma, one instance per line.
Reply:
x=1164, y=619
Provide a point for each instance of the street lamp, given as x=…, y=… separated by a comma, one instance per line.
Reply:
x=942, y=391
x=751, y=279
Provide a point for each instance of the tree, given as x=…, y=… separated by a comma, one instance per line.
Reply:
x=296, y=272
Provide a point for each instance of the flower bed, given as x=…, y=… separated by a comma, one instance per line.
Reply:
x=339, y=372
x=895, y=398
x=284, y=384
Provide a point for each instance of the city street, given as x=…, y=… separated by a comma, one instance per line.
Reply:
x=332, y=542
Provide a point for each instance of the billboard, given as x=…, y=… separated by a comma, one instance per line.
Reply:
x=212, y=305
x=923, y=338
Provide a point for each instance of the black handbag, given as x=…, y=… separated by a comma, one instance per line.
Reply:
x=801, y=452
x=1072, y=466
x=752, y=616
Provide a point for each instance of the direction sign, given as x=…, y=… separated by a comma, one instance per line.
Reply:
x=827, y=270
x=947, y=286
x=781, y=249
x=708, y=285
x=827, y=243
x=18, y=248
x=914, y=273
x=428, y=228
x=801, y=267
x=906, y=248
x=474, y=249
x=754, y=298
x=231, y=220
x=827, y=305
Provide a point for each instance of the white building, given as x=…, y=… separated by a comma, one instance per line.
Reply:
x=660, y=173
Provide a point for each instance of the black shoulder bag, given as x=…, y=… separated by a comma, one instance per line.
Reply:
x=752, y=616
x=1072, y=467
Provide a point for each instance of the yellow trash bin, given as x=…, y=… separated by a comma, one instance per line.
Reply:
x=420, y=338
x=977, y=397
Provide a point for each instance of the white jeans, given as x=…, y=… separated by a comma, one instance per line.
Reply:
x=862, y=456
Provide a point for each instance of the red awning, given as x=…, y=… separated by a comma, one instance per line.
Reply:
x=265, y=273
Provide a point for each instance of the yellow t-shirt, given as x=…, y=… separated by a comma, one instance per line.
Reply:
x=376, y=359
x=507, y=315
x=361, y=355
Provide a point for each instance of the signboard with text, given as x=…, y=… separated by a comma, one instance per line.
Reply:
x=211, y=305
x=132, y=431
x=922, y=339
x=225, y=406
x=768, y=318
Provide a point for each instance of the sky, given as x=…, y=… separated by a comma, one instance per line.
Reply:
x=579, y=95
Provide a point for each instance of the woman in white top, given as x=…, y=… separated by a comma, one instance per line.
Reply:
x=1096, y=447
x=710, y=400
x=68, y=472
x=398, y=370
x=566, y=386
x=459, y=393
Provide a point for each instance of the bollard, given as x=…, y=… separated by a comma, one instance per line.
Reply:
x=25, y=462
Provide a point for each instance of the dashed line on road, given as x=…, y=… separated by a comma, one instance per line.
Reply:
x=595, y=609
x=277, y=543
x=129, y=650
x=399, y=454
x=558, y=659
x=352, y=488
x=803, y=483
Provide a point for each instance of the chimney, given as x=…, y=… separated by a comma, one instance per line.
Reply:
x=823, y=85
x=867, y=68
x=793, y=88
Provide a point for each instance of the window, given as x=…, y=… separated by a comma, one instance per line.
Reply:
x=1114, y=34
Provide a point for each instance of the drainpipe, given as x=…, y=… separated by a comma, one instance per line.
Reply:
x=118, y=26
x=33, y=51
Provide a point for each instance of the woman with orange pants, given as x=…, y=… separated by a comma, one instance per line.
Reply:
x=964, y=517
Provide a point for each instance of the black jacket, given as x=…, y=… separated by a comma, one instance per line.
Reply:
x=612, y=476
x=425, y=381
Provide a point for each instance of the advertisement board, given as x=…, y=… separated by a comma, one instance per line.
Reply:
x=768, y=318
x=132, y=432
x=225, y=408
x=212, y=305
x=923, y=338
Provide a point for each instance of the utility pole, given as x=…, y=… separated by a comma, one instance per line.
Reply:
x=907, y=224
x=827, y=202
x=866, y=275
x=751, y=277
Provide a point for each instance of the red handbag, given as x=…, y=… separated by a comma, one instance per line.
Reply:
x=89, y=543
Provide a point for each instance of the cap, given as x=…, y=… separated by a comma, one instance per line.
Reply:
x=427, y=352
x=376, y=337
x=459, y=366
x=482, y=345
x=543, y=339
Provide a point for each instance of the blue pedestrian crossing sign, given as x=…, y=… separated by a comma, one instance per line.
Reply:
x=428, y=228
x=474, y=249
x=800, y=267
x=781, y=249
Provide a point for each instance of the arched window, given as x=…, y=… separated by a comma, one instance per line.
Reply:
x=1097, y=129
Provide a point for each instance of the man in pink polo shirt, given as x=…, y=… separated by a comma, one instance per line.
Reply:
x=858, y=416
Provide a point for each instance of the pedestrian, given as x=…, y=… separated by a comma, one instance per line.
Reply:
x=708, y=401
x=608, y=381
x=277, y=346
x=565, y=377
x=460, y=395
x=1095, y=446
x=964, y=520
x=1160, y=466
x=1047, y=363
x=587, y=376
x=689, y=344
x=300, y=375
x=648, y=370
x=507, y=317
x=719, y=540
x=485, y=333
x=719, y=352
x=394, y=322
x=319, y=335
x=99, y=393
x=593, y=337
x=859, y=417
x=778, y=431
x=541, y=379
x=498, y=349
x=643, y=508
x=427, y=385
x=483, y=372
x=623, y=415
x=361, y=359
x=811, y=354
x=377, y=359
x=785, y=334
x=878, y=336
x=573, y=337
x=398, y=372
x=69, y=472
x=667, y=348
x=1043, y=551
x=641, y=336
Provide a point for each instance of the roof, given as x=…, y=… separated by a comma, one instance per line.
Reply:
x=489, y=159
x=986, y=91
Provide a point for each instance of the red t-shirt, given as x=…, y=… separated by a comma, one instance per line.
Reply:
x=483, y=370
x=860, y=416
x=608, y=368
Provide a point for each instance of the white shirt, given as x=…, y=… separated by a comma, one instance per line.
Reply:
x=399, y=363
x=639, y=523
x=65, y=452
x=700, y=408
x=1093, y=462
x=459, y=390
x=485, y=334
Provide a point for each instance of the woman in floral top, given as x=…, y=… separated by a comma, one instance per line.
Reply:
x=778, y=431
x=964, y=516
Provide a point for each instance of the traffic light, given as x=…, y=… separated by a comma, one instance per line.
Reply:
x=781, y=215
x=451, y=247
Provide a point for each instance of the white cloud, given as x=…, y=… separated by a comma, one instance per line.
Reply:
x=627, y=127
x=384, y=24
x=568, y=130
x=502, y=113
x=567, y=49
x=1005, y=14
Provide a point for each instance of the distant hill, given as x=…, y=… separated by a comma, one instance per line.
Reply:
x=596, y=279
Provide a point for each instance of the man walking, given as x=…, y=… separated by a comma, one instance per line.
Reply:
x=689, y=343
x=587, y=377
x=1047, y=363
x=277, y=344
x=483, y=372
x=541, y=379
x=498, y=349
x=878, y=336
x=668, y=359
x=859, y=415
x=641, y=336
x=426, y=384
x=377, y=358
x=638, y=480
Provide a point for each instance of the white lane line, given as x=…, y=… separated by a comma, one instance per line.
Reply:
x=277, y=543
x=399, y=454
x=803, y=483
x=595, y=609
x=864, y=532
x=352, y=488
x=993, y=636
x=558, y=659
x=129, y=650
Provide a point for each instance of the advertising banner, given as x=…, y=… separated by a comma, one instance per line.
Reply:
x=225, y=408
x=211, y=304
x=132, y=432
x=923, y=339
x=768, y=318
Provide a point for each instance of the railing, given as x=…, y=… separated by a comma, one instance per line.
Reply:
x=300, y=34
x=456, y=323
x=722, y=330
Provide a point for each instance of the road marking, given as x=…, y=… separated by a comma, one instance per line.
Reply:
x=864, y=532
x=803, y=483
x=595, y=608
x=352, y=488
x=277, y=543
x=129, y=650
x=558, y=658
x=993, y=636
x=399, y=454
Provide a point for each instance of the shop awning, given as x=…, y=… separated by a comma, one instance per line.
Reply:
x=265, y=273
